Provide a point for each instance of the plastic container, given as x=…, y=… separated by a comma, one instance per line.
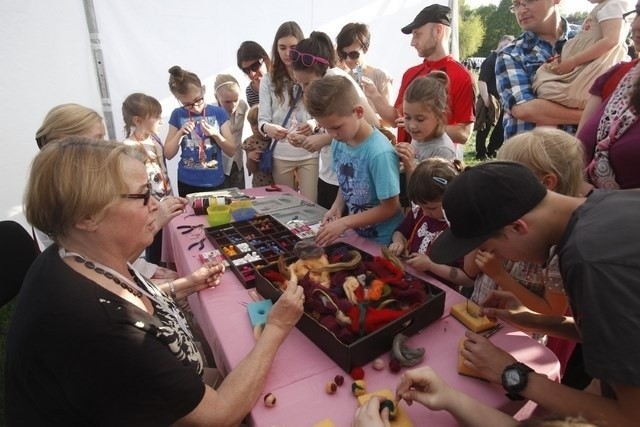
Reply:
x=218, y=215
x=242, y=210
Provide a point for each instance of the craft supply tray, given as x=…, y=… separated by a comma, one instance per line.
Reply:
x=372, y=345
x=251, y=244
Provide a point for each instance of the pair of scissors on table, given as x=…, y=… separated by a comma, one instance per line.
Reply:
x=199, y=242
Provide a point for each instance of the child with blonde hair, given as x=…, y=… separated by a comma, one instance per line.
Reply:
x=425, y=222
x=255, y=146
x=227, y=93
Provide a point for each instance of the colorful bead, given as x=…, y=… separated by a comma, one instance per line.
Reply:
x=331, y=387
x=269, y=400
x=395, y=366
x=357, y=373
x=339, y=380
x=358, y=388
x=378, y=364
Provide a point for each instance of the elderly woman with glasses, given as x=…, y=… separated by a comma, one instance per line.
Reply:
x=283, y=118
x=94, y=342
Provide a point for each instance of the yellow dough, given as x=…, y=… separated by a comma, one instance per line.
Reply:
x=468, y=313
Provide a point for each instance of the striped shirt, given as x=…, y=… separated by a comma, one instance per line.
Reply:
x=253, y=97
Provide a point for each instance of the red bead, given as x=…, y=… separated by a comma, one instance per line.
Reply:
x=339, y=380
x=357, y=373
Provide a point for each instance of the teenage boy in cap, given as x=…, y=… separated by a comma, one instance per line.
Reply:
x=430, y=33
x=545, y=32
x=502, y=207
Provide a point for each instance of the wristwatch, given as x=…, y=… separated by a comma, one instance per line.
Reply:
x=514, y=379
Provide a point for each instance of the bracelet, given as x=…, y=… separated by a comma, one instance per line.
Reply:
x=172, y=290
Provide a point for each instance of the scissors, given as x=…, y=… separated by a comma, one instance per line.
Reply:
x=199, y=242
x=188, y=228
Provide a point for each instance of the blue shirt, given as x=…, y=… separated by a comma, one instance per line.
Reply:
x=515, y=67
x=368, y=173
x=200, y=157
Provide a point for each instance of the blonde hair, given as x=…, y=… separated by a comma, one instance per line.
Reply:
x=432, y=91
x=226, y=81
x=331, y=95
x=549, y=150
x=66, y=120
x=139, y=105
x=72, y=179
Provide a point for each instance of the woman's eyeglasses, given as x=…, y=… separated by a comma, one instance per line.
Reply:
x=307, y=59
x=144, y=196
x=253, y=68
x=195, y=102
x=355, y=54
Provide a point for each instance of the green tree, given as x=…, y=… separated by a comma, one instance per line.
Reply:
x=497, y=24
x=471, y=30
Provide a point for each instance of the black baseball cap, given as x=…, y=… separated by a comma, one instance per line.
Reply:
x=434, y=13
x=480, y=201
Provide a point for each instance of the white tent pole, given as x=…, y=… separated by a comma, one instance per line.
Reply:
x=455, y=21
x=96, y=48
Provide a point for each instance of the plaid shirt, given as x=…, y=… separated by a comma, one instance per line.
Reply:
x=515, y=67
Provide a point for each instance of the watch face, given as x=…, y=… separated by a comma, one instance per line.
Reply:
x=511, y=377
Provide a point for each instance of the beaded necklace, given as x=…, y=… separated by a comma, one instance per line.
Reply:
x=138, y=287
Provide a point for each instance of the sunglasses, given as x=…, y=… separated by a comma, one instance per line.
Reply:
x=253, y=67
x=145, y=196
x=630, y=14
x=355, y=54
x=195, y=102
x=306, y=59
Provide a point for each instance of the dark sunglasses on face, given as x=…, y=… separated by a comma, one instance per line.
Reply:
x=254, y=67
x=195, y=102
x=144, y=196
x=307, y=59
x=355, y=54
x=632, y=14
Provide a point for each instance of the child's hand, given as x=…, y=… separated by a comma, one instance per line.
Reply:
x=305, y=128
x=187, y=127
x=254, y=155
x=331, y=215
x=209, y=130
x=489, y=263
x=565, y=66
x=420, y=262
x=397, y=248
x=399, y=122
x=314, y=143
x=329, y=231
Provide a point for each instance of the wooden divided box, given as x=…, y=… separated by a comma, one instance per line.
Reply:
x=372, y=345
x=251, y=244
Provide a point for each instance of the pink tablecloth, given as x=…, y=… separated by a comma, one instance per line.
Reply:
x=301, y=370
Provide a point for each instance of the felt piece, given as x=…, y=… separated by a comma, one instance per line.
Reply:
x=465, y=311
x=401, y=420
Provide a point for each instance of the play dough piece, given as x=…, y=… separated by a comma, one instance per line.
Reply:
x=462, y=369
x=401, y=420
x=469, y=315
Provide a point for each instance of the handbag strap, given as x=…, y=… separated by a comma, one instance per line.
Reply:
x=286, y=118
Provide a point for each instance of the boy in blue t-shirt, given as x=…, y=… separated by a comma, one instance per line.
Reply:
x=366, y=164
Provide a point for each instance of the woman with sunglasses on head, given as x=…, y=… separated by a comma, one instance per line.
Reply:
x=200, y=131
x=254, y=62
x=313, y=58
x=283, y=117
x=352, y=45
x=93, y=341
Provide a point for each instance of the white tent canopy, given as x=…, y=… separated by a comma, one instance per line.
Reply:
x=47, y=56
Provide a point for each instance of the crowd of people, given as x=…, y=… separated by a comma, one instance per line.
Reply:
x=542, y=237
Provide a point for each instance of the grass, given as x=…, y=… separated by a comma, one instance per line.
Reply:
x=470, y=151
